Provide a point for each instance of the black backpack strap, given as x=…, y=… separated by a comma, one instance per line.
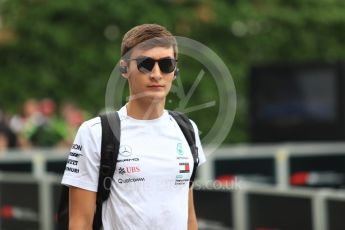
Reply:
x=111, y=129
x=188, y=131
x=63, y=210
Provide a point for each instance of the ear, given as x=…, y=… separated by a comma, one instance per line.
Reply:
x=123, y=68
x=176, y=73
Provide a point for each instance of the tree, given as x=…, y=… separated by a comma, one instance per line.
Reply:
x=67, y=49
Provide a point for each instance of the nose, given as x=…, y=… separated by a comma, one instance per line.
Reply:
x=155, y=73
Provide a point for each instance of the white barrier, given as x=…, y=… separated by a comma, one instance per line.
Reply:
x=29, y=201
x=306, y=208
x=38, y=164
x=281, y=156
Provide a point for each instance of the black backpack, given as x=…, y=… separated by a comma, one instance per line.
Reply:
x=109, y=153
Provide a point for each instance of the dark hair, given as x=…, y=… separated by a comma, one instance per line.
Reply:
x=147, y=36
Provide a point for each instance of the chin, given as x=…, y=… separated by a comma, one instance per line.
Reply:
x=156, y=96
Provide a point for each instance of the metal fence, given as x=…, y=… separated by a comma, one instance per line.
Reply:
x=258, y=196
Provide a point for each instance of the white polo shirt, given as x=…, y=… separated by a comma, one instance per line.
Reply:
x=151, y=181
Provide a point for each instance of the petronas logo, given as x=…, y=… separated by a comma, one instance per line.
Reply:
x=179, y=149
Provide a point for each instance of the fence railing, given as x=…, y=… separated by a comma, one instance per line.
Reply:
x=254, y=189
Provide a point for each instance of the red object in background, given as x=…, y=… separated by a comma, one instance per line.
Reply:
x=56, y=217
x=226, y=179
x=299, y=178
x=6, y=212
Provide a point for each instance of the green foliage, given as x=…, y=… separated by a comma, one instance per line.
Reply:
x=67, y=49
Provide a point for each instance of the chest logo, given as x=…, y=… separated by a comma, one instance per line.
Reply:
x=179, y=149
x=125, y=150
x=122, y=171
x=184, y=167
x=132, y=169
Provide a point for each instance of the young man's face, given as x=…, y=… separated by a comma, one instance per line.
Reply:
x=155, y=84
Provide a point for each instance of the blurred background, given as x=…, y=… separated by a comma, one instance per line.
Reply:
x=285, y=153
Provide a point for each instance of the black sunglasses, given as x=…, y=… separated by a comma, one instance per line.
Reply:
x=146, y=64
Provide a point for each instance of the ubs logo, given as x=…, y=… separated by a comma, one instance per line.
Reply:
x=131, y=169
x=125, y=150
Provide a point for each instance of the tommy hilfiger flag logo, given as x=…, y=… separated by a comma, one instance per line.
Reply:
x=184, y=167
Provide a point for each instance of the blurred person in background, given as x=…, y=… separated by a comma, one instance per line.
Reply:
x=39, y=124
x=4, y=142
x=7, y=137
x=26, y=123
x=72, y=118
x=52, y=129
x=50, y=132
x=48, y=109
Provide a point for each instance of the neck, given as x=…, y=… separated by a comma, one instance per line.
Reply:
x=145, y=109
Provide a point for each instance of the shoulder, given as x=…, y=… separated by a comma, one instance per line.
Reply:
x=195, y=127
x=177, y=116
x=91, y=127
x=92, y=123
x=89, y=136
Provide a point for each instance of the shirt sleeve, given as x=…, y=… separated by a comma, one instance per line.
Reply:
x=201, y=155
x=82, y=167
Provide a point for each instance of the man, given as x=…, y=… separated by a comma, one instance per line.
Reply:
x=149, y=190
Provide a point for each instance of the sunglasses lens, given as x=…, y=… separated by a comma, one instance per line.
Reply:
x=167, y=65
x=145, y=65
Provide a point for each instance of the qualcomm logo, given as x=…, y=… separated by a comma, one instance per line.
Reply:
x=125, y=150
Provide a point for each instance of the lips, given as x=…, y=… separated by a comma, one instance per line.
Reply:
x=155, y=86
